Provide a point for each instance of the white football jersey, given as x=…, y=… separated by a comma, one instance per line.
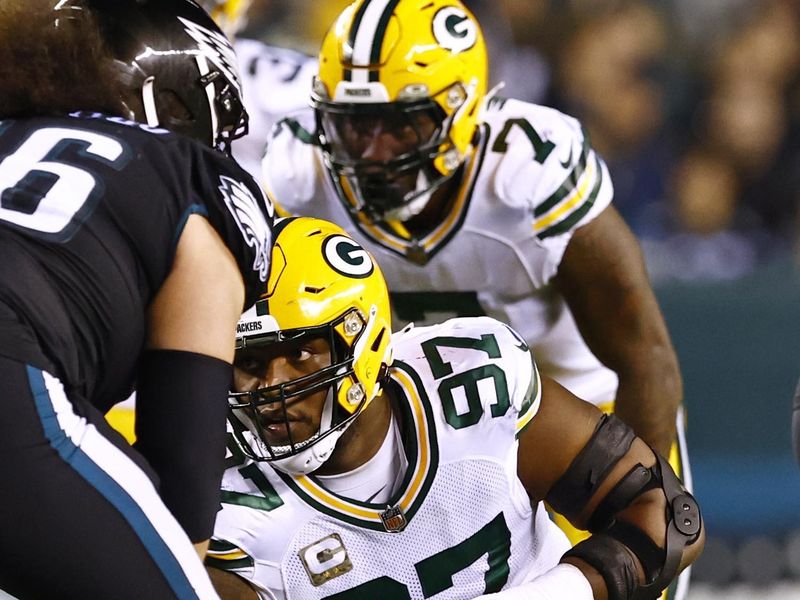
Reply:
x=459, y=523
x=275, y=82
x=533, y=179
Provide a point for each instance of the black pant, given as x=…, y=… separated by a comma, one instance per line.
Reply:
x=79, y=514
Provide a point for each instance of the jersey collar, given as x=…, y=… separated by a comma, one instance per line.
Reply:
x=419, y=440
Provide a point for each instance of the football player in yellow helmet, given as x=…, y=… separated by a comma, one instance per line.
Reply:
x=397, y=112
x=444, y=437
x=326, y=304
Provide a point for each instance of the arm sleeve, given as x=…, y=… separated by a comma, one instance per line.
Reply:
x=181, y=409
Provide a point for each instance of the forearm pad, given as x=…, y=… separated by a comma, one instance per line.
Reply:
x=181, y=409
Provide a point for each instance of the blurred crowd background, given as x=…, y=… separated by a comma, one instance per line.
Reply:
x=695, y=105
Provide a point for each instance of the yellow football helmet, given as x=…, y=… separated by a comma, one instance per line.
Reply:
x=400, y=62
x=322, y=284
x=230, y=15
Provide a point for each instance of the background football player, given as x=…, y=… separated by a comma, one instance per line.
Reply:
x=409, y=465
x=477, y=204
x=118, y=198
x=275, y=80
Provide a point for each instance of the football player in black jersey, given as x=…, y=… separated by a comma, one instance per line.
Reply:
x=130, y=245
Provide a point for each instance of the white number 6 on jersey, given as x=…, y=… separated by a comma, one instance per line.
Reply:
x=38, y=191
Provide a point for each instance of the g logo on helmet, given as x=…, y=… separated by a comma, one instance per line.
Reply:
x=454, y=30
x=346, y=257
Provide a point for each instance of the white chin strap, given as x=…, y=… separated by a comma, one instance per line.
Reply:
x=311, y=458
x=413, y=208
x=149, y=102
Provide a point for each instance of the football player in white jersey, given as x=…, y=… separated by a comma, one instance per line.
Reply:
x=475, y=204
x=413, y=465
x=502, y=205
x=275, y=81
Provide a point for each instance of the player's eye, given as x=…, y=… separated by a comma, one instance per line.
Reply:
x=299, y=354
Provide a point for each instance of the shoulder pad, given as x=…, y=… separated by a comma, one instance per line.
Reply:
x=537, y=143
x=291, y=164
x=476, y=343
x=552, y=171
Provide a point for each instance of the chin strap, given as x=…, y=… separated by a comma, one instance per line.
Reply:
x=149, y=102
x=317, y=451
x=414, y=206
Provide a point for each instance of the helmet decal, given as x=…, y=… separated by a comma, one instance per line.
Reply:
x=217, y=49
x=346, y=257
x=248, y=213
x=454, y=30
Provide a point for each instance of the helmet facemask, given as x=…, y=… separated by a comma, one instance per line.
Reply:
x=395, y=188
x=229, y=119
x=249, y=408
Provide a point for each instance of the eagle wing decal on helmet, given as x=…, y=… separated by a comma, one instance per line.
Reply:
x=217, y=49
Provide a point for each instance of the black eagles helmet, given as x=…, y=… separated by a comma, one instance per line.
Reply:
x=179, y=67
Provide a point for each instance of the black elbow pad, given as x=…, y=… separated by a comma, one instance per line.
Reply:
x=611, y=441
x=612, y=550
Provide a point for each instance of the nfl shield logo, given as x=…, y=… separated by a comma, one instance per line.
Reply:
x=394, y=520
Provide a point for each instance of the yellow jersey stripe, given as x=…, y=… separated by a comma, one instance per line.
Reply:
x=571, y=202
